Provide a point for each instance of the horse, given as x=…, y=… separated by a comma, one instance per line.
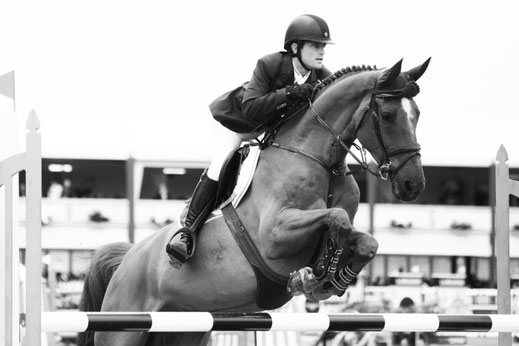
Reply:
x=302, y=199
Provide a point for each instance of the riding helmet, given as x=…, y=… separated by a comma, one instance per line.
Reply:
x=307, y=27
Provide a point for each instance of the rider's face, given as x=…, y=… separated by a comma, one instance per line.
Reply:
x=312, y=54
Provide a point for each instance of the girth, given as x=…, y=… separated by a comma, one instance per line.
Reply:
x=271, y=287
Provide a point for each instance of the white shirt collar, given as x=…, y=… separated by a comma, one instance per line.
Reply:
x=298, y=77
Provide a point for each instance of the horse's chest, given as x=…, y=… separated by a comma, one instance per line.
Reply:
x=304, y=189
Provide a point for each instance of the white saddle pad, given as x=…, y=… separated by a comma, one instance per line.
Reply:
x=244, y=180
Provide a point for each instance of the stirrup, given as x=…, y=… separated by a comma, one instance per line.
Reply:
x=175, y=255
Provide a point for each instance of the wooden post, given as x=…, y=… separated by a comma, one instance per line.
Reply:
x=30, y=161
x=371, y=190
x=504, y=187
x=9, y=254
x=33, y=231
x=9, y=168
x=131, y=196
x=492, y=202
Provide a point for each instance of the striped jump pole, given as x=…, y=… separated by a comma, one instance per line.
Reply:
x=207, y=321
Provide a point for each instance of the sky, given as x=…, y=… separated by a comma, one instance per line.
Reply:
x=110, y=79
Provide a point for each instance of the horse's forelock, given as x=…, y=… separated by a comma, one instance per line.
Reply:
x=401, y=86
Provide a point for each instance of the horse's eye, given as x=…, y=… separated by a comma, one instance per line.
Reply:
x=386, y=116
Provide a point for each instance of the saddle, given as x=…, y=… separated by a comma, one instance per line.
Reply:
x=229, y=174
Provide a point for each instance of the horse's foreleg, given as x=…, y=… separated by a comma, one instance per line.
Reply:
x=295, y=229
x=360, y=249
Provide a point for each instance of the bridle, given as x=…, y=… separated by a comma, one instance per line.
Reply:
x=410, y=90
x=384, y=170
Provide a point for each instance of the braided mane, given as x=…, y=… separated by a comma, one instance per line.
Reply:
x=342, y=73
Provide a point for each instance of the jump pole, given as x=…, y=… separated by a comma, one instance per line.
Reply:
x=504, y=186
x=274, y=321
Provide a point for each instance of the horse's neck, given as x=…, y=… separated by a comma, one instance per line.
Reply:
x=339, y=107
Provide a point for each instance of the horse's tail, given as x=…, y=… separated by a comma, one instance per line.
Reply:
x=103, y=264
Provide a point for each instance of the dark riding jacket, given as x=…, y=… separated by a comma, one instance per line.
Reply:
x=264, y=98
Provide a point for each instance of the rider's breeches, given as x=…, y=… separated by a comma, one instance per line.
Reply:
x=223, y=142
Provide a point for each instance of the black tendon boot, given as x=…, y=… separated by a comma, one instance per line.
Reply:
x=342, y=279
x=182, y=245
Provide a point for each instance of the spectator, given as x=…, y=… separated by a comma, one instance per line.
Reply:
x=404, y=338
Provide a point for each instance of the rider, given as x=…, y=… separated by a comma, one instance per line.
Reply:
x=280, y=80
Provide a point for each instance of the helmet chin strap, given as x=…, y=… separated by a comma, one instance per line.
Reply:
x=298, y=55
x=301, y=61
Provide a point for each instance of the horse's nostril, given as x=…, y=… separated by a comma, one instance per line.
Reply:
x=408, y=185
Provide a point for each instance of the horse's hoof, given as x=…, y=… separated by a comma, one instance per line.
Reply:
x=301, y=281
x=295, y=284
x=319, y=294
x=333, y=289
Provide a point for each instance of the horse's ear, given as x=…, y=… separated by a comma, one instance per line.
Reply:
x=418, y=71
x=391, y=73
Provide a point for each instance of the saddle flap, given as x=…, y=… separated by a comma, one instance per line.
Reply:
x=230, y=172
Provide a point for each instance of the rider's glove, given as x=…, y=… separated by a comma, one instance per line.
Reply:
x=296, y=92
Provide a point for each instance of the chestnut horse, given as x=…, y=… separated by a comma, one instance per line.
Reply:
x=301, y=196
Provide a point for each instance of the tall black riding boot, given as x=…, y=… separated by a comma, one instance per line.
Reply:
x=182, y=245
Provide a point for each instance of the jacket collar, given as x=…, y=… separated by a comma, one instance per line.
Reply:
x=287, y=70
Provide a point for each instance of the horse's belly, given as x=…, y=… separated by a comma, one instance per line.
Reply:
x=218, y=277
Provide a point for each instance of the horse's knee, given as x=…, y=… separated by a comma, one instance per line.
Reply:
x=366, y=248
x=340, y=225
x=339, y=219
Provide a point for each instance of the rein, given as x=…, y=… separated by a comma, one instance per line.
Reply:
x=384, y=170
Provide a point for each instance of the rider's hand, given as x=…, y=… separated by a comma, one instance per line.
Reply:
x=298, y=92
